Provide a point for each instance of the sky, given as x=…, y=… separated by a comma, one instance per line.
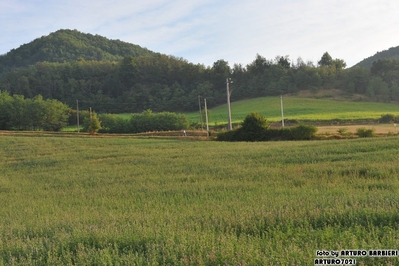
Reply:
x=204, y=31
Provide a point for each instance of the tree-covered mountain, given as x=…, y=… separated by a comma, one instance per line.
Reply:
x=68, y=46
x=391, y=53
x=126, y=78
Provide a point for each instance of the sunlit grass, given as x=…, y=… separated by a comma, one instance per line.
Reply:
x=79, y=201
x=299, y=109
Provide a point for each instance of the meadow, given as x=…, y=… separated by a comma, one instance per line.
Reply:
x=128, y=201
x=299, y=109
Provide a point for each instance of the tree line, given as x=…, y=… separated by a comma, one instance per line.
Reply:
x=166, y=83
x=19, y=113
x=145, y=122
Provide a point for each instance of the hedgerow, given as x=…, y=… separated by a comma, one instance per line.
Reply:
x=256, y=128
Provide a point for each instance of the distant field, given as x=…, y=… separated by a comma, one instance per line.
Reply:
x=299, y=109
x=125, y=201
x=294, y=108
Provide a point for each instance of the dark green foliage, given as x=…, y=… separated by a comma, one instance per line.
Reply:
x=255, y=128
x=326, y=60
x=163, y=121
x=302, y=132
x=68, y=46
x=391, y=53
x=19, y=113
x=365, y=133
x=145, y=122
x=227, y=136
x=92, y=124
x=252, y=128
x=387, y=119
x=254, y=122
x=113, y=124
x=117, y=77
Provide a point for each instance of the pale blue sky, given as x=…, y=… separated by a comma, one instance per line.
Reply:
x=204, y=31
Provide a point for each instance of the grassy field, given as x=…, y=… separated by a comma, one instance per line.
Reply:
x=299, y=109
x=302, y=109
x=126, y=201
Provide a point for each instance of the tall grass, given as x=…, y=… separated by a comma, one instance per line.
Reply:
x=117, y=201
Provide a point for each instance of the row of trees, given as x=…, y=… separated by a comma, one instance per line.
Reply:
x=19, y=113
x=144, y=122
x=147, y=121
x=165, y=83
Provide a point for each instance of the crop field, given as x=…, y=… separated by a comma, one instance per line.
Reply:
x=299, y=109
x=129, y=201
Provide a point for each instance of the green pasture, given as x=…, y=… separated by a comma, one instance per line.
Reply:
x=302, y=109
x=299, y=109
x=127, y=201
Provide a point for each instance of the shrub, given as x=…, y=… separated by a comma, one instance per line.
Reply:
x=387, y=119
x=303, y=132
x=111, y=123
x=365, y=133
x=163, y=121
x=227, y=136
x=344, y=132
x=253, y=127
x=254, y=122
x=92, y=125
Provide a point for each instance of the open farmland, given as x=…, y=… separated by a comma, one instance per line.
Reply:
x=127, y=201
x=299, y=109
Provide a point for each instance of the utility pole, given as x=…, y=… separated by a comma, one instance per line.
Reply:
x=229, y=126
x=282, y=110
x=206, y=118
x=200, y=112
x=77, y=114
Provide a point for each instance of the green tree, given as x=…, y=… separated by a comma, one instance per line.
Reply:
x=56, y=115
x=284, y=61
x=5, y=105
x=326, y=60
x=339, y=64
x=253, y=127
x=254, y=122
x=92, y=124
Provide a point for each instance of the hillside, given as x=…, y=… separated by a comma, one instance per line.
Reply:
x=391, y=53
x=117, y=77
x=68, y=46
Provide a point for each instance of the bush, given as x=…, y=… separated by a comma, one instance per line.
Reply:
x=163, y=121
x=256, y=128
x=254, y=122
x=253, y=128
x=387, y=119
x=344, y=132
x=111, y=123
x=301, y=132
x=227, y=136
x=92, y=125
x=365, y=133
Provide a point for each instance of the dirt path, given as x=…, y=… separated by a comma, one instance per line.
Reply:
x=379, y=129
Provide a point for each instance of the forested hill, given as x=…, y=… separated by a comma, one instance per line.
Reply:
x=117, y=77
x=68, y=46
x=391, y=53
